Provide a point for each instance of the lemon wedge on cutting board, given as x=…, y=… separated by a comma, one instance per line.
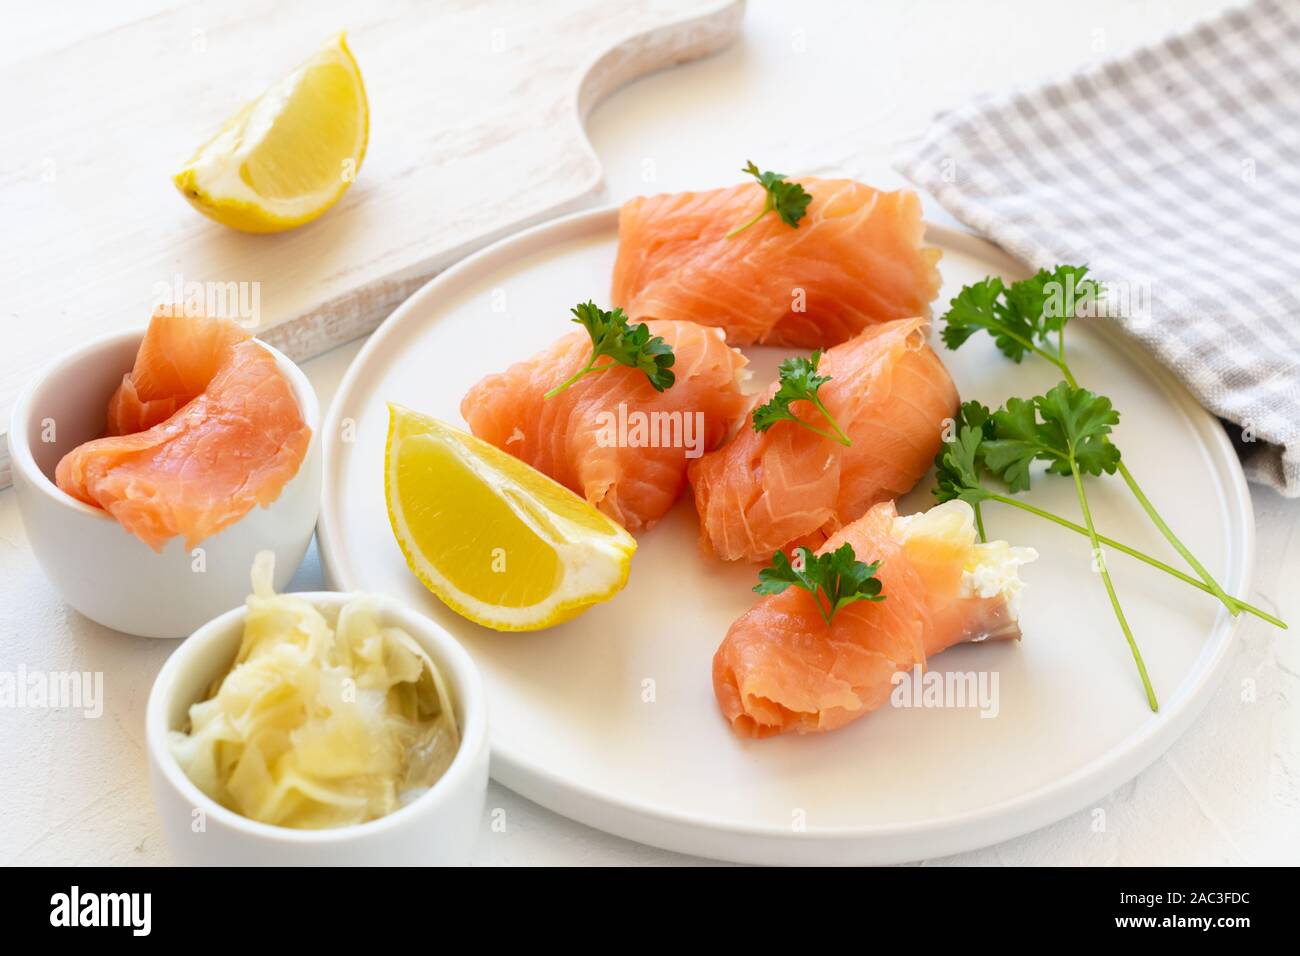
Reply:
x=290, y=154
x=496, y=540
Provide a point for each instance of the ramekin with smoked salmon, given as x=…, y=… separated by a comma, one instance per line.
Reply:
x=151, y=468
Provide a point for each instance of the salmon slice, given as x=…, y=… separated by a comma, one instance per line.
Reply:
x=611, y=437
x=233, y=444
x=172, y=367
x=855, y=259
x=782, y=669
x=764, y=491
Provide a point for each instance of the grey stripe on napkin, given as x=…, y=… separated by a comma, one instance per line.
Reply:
x=1174, y=174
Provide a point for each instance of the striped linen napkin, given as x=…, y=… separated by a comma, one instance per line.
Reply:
x=1174, y=173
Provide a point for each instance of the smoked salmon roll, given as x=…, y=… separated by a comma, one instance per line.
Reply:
x=764, y=491
x=856, y=259
x=782, y=668
x=613, y=438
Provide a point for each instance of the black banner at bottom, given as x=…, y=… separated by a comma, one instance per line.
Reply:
x=338, y=905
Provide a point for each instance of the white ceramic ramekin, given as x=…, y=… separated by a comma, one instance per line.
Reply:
x=102, y=570
x=437, y=828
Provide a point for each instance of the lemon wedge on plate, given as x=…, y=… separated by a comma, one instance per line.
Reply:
x=290, y=154
x=496, y=540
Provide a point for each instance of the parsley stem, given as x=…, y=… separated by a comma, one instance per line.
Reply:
x=1110, y=587
x=825, y=615
x=979, y=522
x=842, y=438
x=1060, y=364
x=1029, y=346
x=823, y=432
x=1229, y=602
x=590, y=367
x=767, y=207
x=1212, y=586
x=1134, y=553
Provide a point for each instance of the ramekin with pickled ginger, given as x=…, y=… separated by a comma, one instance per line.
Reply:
x=318, y=728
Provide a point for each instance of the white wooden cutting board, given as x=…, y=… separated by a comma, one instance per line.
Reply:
x=477, y=112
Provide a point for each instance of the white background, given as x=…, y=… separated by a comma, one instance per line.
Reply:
x=809, y=87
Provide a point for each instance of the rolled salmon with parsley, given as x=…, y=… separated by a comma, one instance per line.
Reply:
x=835, y=435
x=821, y=648
x=807, y=263
x=616, y=414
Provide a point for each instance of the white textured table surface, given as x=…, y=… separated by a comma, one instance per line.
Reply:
x=813, y=86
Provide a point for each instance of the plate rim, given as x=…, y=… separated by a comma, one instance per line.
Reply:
x=698, y=835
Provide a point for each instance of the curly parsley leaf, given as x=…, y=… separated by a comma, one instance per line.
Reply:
x=1017, y=443
x=799, y=381
x=957, y=469
x=981, y=306
x=1067, y=425
x=960, y=461
x=1049, y=300
x=1077, y=423
x=1021, y=317
x=789, y=200
x=977, y=416
x=835, y=579
x=623, y=344
x=959, y=465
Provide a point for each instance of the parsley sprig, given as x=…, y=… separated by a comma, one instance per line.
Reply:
x=799, y=382
x=623, y=344
x=835, y=579
x=962, y=471
x=1030, y=317
x=1022, y=317
x=1068, y=429
x=788, y=200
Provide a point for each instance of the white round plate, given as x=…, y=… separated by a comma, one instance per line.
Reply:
x=610, y=719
